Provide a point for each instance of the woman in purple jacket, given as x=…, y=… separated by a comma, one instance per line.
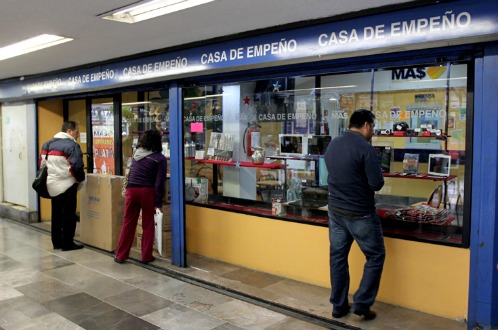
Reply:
x=145, y=191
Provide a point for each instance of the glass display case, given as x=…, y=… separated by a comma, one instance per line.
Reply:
x=142, y=111
x=291, y=120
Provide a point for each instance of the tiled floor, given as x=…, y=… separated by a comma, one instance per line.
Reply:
x=45, y=289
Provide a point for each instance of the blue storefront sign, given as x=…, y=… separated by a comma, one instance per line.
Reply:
x=458, y=21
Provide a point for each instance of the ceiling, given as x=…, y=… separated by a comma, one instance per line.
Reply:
x=97, y=40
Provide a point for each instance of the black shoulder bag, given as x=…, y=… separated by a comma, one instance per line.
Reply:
x=40, y=182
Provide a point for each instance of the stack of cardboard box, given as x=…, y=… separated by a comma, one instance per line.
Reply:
x=101, y=211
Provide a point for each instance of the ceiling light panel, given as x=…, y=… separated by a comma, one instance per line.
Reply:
x=149, y=9
x=31, y=45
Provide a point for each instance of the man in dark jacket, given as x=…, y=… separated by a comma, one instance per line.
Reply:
x=65, y=171
x=354, y=176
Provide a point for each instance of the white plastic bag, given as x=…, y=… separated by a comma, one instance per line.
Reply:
x=158, y=231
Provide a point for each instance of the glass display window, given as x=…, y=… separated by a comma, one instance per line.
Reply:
x=251, y=145
x=142, y=111
x=418, y=114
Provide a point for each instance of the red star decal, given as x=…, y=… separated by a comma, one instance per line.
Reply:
x=246, y=100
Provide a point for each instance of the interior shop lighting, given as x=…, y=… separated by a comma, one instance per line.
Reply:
x=319, y=88
x=144, y=10
x=204, y=97
x=31, y=45
x=439, y=79
x=127, y=103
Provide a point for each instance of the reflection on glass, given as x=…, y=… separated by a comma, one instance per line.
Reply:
x=141, y=112
x=223, y=124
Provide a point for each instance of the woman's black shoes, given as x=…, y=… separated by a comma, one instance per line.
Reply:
x=119, y=261
x=146, y=262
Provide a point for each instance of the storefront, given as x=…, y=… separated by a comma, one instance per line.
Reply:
x=246, y=122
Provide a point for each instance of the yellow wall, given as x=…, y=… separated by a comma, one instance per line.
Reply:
x=77, y=113
x=420, y=276
x=50, y=121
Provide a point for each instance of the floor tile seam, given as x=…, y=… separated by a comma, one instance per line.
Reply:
x=242, y=296
x=90, y=268
x=100, y=301
x=75, y=262
x=274, y=306
x=136, y=264
x=173, y=303
x=153, y=269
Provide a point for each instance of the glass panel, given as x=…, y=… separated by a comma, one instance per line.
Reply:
x=421, y=197
x=291, y=120
x=77, y=113
x=142, y=111
x=103, y=136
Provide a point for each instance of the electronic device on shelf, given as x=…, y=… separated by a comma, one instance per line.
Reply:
x=439, y=165
x=317, y=144
x=385, y=154
x=385, y=132
x=293, y=145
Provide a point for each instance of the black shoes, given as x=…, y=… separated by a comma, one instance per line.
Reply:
x=72, y=247
x=146, y=262
x=341, y=311
x=367, y=315
x=119, y=261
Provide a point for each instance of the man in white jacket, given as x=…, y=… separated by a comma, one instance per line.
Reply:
x=65, y=171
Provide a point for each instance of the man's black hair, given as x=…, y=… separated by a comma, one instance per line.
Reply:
x=151, y=140
x=360, y=117
x=68, y=125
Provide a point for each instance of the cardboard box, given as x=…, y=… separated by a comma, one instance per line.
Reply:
x=166, y=247
x=166, y=250
x=166, y=210
x=167, y=192
x=101, y=211
x=166, y=232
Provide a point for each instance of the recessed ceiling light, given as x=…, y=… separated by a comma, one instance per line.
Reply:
x=145, y=10
x=31, y=45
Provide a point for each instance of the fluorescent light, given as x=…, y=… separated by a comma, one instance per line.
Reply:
x=149, y=9
x=440, y=79
x=129, y=103
x=31, y=45
x=320, y=88
x=204, y=97
x=136, y=103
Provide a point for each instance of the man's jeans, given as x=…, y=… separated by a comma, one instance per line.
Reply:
x=367, y=232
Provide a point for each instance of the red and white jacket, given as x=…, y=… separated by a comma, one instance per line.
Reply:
x=64, y=163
